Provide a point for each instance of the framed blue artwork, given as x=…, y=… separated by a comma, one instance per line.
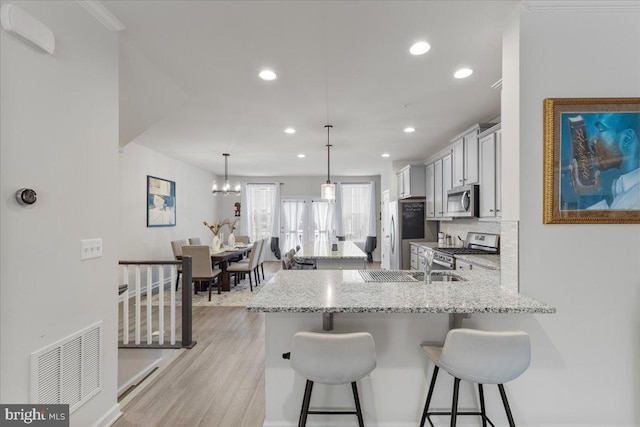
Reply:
x=161, y=202
x=591, y=160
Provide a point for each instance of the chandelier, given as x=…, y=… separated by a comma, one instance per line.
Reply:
x=226, y=187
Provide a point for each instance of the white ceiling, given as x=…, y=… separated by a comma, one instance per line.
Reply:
x=190, y=86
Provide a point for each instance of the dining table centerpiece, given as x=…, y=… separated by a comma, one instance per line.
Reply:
x=216, y=243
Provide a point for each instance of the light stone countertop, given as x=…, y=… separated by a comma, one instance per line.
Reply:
x=322, y=250
x=486, y=261
x=344, y=291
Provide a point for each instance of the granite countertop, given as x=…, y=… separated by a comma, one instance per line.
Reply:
x=322, y=250
x=486, y=261
x=344, y=291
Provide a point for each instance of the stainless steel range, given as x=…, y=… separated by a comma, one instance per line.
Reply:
x=476, y=244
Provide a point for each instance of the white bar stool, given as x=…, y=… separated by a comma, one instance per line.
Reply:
x=332, y=359
x=478, y=357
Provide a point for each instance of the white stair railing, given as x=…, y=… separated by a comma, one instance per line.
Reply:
x=134, y=273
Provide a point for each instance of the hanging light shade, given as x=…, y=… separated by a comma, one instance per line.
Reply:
x=328, y=190
x=226, y=187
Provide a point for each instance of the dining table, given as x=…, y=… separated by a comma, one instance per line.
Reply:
x=223, y=257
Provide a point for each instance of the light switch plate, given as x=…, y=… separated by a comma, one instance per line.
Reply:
x=90, y=248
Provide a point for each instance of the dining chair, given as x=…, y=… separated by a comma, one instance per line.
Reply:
x=242, y=239
x=194, y=241
x=263, y=252
x=201, y=265
x=300, y=265
x=247, y=267
x=176, y=247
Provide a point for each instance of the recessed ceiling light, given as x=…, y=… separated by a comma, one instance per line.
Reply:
x=267, y=75
x=409, y=129
x=289, y=130
x=301, y=156
x=463, y=73
x=419, y=48
x=385, y=155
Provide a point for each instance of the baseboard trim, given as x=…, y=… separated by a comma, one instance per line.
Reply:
x=161, y=364
x=110, y=417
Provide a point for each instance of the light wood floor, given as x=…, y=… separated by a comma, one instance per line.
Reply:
x=217, y=383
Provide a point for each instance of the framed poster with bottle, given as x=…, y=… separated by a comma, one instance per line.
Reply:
x=591, y=160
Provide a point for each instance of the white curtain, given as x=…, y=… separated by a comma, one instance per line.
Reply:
x=244, y=223
x=323, y=218
x=293, y=211
x=372, y=210
x=261, y=212
x=338, y=222
x=356, y=210
x=275, y=222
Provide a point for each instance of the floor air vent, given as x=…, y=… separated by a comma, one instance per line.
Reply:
x=68, y=371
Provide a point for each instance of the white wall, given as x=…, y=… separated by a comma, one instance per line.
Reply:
x=586, y=358
x=300, y=186
x=194, y=203
x=59, y=136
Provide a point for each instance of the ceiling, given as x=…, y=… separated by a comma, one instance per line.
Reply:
x=190, y=88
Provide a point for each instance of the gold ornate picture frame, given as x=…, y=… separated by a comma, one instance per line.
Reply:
x=591, y=161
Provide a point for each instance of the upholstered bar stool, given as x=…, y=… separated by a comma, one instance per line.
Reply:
x=332, y=359
x=479, y=357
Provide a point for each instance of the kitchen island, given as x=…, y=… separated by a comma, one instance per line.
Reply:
x=400, y=316
x=348, y=256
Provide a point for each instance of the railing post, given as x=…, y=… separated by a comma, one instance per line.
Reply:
x=187, y=314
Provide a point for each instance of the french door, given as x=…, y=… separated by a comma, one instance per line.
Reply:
x=304, y=220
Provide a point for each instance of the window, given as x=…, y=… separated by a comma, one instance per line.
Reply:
x=261, y=209
x=356, y=208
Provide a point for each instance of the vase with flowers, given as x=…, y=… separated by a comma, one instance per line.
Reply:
x=232, y=227
x=216, y=243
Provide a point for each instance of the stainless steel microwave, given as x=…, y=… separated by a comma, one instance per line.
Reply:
x=463, y=201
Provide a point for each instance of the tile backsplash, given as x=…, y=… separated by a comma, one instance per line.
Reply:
x=460, y=227
x=508, y=231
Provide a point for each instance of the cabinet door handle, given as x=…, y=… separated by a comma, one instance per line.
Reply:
x=459, y=180
x=497, y=210
x=490, y=210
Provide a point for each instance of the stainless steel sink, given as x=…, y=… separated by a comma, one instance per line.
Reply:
x=407, y=276
x=437, y=276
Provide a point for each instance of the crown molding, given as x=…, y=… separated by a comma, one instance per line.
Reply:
x=102, y=14
x=546, y=6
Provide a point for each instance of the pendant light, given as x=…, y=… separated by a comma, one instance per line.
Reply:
x=226, y=187
x=328, y=190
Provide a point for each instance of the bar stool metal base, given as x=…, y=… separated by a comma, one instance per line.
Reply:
x=426, y=414
x=304, y=411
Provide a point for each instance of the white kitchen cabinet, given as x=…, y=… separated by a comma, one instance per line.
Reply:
x=430, y=211
x=414, y=256
x=411, y=182
x=466, y=170
x=490, y=173
x=438, y=183
x=447, y=182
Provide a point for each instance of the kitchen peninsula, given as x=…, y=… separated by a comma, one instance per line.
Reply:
x=400, y=315
x=348, y=256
